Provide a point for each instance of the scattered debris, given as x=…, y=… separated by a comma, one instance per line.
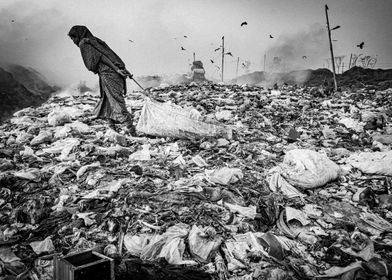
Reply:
x=301, y=189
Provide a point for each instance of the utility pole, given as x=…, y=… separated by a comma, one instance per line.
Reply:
x=223, y=54
x=238, y=61
x=194, y=57
x=330, y=46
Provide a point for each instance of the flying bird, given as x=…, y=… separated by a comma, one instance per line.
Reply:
x=336, y=27
x=361, y=45
x=185, y=36
x=182, y=48
x=12, y=20
x=304, y=57
x=243, y=64
x=131, y=41
x=229, y=53
x=271, y=36
x=217, y=49
x=244, y=23
x=211, y=61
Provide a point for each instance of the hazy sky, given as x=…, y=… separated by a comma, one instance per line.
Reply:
x=34, y=33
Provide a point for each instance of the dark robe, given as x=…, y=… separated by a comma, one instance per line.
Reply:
x=111, y=104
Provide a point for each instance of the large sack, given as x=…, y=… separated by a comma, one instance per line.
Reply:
x=169, y=120
x=379, y=163
x=307, y=169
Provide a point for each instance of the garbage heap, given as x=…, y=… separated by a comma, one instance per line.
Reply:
x=302, y=189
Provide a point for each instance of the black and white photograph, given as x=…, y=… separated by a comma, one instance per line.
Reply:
x=195, y=139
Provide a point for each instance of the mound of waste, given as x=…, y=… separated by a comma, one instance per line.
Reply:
x=355, y=78
x=301, y=189
x=21, y=87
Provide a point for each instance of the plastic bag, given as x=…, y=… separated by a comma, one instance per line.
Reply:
x=278, y=183
x=249, y=212
x=223, y=115
x=23, y=138
x=85, y=168
x=169, y=245
x=168, y=120
x=32, y=174
x=307, y=169
x=27, y=152
x=379, y=163
x=115, y=137
x=225, y=175
x=63, y=147
x=58, y=117
x=42, y=137
x=352, y=124
x=202, y=247
x=7, y=255
x=79, y=127
x=43, y=246
x=136, y=244
x=143, y=154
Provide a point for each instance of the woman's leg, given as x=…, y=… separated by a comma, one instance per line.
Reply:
x=111, y=124
x=129, y=125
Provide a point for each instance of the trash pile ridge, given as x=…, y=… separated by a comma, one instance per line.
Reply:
x=302, y=189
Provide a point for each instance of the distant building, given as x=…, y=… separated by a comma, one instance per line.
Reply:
x=197, y=71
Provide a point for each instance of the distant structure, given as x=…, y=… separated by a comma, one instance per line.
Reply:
x=197, y=71
x=364, y=61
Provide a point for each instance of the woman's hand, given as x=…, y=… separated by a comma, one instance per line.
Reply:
x=124, y=73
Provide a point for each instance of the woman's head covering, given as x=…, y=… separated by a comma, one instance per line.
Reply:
x=82, y=35
x=80, y=32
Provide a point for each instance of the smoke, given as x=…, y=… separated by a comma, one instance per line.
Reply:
x=31, y=35
x=302, y=50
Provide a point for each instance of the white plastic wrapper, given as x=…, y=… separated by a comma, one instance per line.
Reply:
x=169, y=120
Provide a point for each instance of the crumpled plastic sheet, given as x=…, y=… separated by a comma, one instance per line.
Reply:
x=379, y=163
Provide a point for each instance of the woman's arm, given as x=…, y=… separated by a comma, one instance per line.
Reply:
x=107, y=61
x=123, y=72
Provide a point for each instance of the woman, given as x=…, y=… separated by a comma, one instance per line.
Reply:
x=102, y=60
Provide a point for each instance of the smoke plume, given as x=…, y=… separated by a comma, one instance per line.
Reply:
x=299, y=51
x=30, y=36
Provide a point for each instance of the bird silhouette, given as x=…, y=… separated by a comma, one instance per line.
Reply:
x=271, y=36
x=229, y=53
x=336, y=27
x=131, y=41
x=12, y=20
x=304, y=57
x=217, y=49
x=182, y=48
x=185, y=36
x=244, y=23
x=211, y=61
x=243, y=64
x=361, y=45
